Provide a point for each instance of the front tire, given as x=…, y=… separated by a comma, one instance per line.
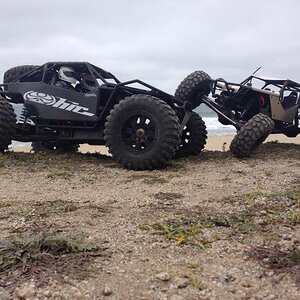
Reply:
x=7, y=124
x=193, y=88
x=193, y=137
x=251, y=135
x=142, y=132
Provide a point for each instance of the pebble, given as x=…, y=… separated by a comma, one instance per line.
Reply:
x=107, y=291
x=203, y=292
x=164, y=276
x=246, y=283
x=181, y=283
x=138, y=271
x=144, y=259
x=25, y=292
x=261, y=222
x=270, y=274
x=47, y=294
x=286, y=237
x=228, y=278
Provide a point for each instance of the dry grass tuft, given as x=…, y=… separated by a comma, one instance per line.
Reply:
x=283, y=261
x=43, y=255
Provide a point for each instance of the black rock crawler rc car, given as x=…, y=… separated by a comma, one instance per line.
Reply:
x=65, y=104
x=256, y=107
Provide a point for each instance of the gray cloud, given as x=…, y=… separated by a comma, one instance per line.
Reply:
x=158, y=41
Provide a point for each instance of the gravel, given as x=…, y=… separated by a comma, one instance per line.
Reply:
x=183, y=232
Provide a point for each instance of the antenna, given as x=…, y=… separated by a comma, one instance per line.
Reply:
x=256, y=70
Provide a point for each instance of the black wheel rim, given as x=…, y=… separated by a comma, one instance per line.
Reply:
x=186, y=136
x=138, y=132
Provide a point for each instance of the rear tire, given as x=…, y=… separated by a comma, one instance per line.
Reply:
x=142, y=132
x=16, y=72
x=251, y=135
x=193, y=137
x=7, y=124
x=58, y=148
x=192, y=88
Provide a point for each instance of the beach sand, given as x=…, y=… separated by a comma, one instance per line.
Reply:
x=214, y=143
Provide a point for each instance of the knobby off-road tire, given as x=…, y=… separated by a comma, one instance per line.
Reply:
x=194, y=86
x=251, y=135
x=58, y=148
x=7, y=124
x=15, y=72
x=142, y=132
x=193, y=137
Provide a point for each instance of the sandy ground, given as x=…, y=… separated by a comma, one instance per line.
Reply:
x=205, y=227
x=213, y=143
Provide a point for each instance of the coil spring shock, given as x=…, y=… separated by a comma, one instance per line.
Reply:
x=24, y=114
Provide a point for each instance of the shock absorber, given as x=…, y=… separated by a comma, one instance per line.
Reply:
x=24, y=114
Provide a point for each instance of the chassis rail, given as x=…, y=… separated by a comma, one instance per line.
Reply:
x=211, y=104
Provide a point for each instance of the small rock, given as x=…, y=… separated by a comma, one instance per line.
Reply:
x=246, y=283
x=286, y=237
x=47, y=294
x=228, y=278
x=25, y=292
x=181, y=283
x=144, y=259
x=107, y=291
x=138, y=271
x=164, y=276
x=261, y=222
x=203, y=292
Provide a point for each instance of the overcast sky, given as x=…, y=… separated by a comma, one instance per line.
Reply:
x=157, y=41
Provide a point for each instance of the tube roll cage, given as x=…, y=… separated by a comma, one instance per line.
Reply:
x=98, y=73
x=123, y=85
x=282, y=84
